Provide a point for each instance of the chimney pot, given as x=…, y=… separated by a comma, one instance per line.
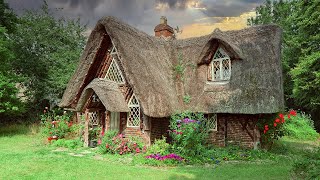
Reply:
x=163, y=20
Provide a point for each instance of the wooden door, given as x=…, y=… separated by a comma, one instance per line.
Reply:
x=115, y=121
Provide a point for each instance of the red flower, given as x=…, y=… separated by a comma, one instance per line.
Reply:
x=107, y=146
x=293, y=112
x=274, y=124
x=70, y=124
x=277, y=121
x=102, y=133
x=288, y=116
x=266, y=126
x=137, y=150
x=281, y=116
x=264, y=131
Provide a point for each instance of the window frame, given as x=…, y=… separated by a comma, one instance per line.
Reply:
x=220, y=60
x=215, y=116
x=130, y=105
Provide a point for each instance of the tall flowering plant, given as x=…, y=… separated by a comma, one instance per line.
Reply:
x=188, y=132
x=272, y=129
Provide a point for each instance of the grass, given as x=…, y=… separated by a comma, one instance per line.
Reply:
x=23, y=155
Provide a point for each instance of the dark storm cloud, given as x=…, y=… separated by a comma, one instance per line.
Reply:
x=229, y=8
x=142, y=14
x=174, y=4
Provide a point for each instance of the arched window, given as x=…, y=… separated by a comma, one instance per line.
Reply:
x=134, y=114
x=220, y=66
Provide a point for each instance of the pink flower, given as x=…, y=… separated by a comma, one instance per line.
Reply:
x=137, y=150
x=99, y=141
x=274, y=124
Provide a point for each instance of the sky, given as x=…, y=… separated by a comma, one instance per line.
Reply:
x=193, y=17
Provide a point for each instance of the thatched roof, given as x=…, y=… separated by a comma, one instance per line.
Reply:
x=108, y=93
x=256, y=81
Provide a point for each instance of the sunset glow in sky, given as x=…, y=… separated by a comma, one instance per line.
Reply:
x=193, y=17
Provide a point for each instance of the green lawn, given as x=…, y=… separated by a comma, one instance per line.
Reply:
x=23, y=155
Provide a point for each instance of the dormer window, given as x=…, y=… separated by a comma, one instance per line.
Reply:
x=220, y=67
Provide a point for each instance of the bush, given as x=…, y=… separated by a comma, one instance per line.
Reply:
x=116, y=144
x=308, y=167
x=189, y=134
x=160, y=146
x=273, y=128
x=57, y=125
x=300, y=127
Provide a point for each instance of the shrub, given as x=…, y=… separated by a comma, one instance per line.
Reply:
x=160, y=146
x=189, y=133
x=273, y=128
x=308, y=167
x=116, y=144
x=300, y=127
x=57, y=125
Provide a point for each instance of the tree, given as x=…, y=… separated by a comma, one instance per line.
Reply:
x=10, y=104
x=300, y=21
x=7, y=18
x=47, y=51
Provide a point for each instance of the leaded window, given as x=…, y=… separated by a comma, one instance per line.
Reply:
x=134, y=113
x=212, y=122
x=94, y=118
x=220, y=67
x=114, y=73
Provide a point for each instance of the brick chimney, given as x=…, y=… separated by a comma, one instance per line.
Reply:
x=163, y=29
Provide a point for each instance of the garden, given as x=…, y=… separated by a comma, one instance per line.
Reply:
x=292, y=150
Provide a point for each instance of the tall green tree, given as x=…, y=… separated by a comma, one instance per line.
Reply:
x=300, y=21
x=8, y=18
x=47, y=51
x=10, y=103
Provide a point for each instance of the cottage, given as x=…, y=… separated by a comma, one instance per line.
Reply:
x=132, y=82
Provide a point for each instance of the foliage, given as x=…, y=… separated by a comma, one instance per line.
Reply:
x=308, y=167
x=300, y=127
x=94, y=133
x=273, y=128
x=300, y=50
x=47, y=51
x=7, y=18
x=189, y=133
x=68, y=143
x=160, y=146
x=57, y=125
x=231, y=153
x=10, y=104
x=114, y=143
